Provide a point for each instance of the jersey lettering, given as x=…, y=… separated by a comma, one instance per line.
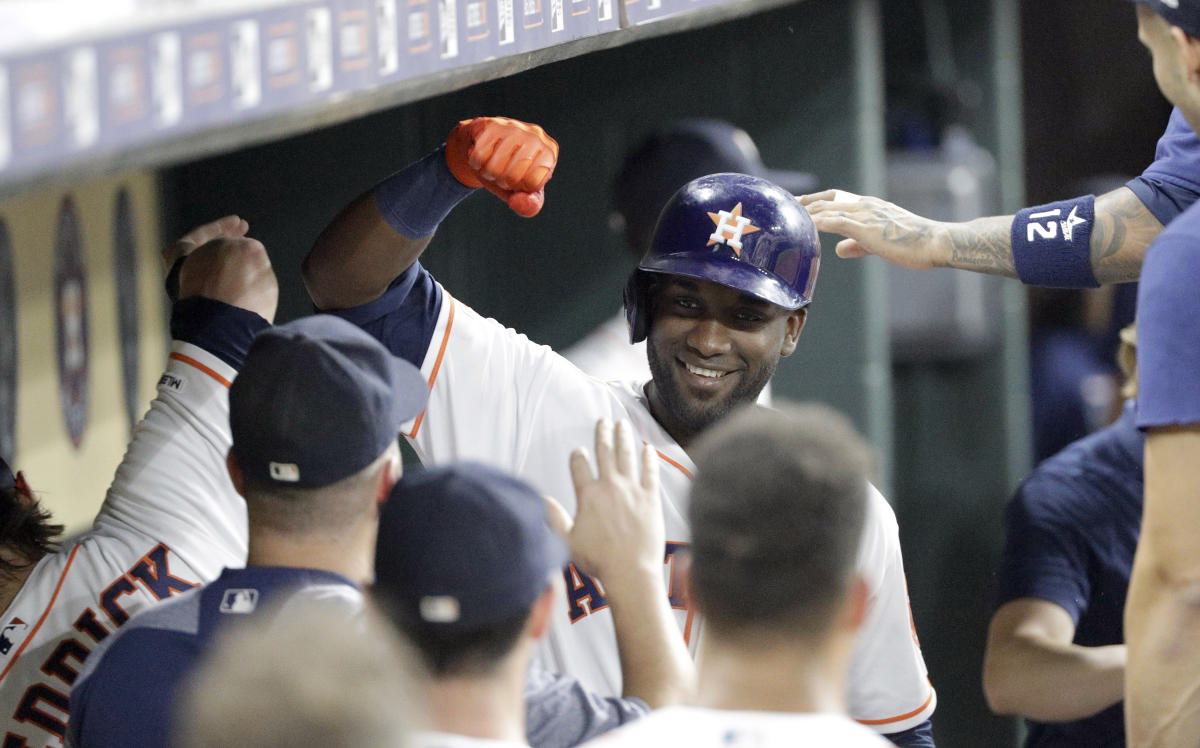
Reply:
x=155, y=574
x=14, y=741
x=585, y=595
x=87, y=623
x=108, y=599
x=675, y=584
x=57, y=666
x=581, y=590
x=29, y=711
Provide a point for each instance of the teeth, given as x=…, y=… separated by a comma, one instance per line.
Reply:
x=704, y=372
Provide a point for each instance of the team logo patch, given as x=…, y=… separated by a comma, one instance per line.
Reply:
x=15, y=629
x=731, y=227
x=440, y=609
x=239, y=601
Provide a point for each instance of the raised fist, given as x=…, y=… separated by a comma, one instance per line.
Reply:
x=511, y=159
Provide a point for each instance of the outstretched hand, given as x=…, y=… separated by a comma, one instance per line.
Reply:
x=618, y=525
x=876, y=227
x=511, y=159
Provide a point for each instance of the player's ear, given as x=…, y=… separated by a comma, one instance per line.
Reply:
x=542, y=612
x=856, y=603
x=791, y=336
x=235, y=474
x=1189, y=52
x=23, y=489
x=389, y=474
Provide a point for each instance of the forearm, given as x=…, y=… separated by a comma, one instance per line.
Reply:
x=1162, y=613
x=380, y=234
x=1123, y=229
x=655, y=664
x=1052, y=682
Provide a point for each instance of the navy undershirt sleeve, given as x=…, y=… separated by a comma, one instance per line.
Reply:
x=920, y=736
x=1168, y=332
x=1045, y=557
x=404, y=317
x=1171, y=184
x=223, y=330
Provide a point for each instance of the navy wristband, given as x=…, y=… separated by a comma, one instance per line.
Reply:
x=417, y=198
x=223, y=330
x=1051, y=244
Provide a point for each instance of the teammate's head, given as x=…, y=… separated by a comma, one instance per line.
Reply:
x=776, y=511
x=721, y=295
x=315, y=412
x=1170, y=29
x=27, y=531
x=677, y=153
x=465, y=564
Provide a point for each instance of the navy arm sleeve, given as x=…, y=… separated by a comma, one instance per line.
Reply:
x=1172, y=183
x=560, y=712
x=920, y=736
x=404, y=317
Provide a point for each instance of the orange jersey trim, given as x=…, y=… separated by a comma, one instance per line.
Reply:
x=674, y=464
x=901, y=717
x=437, y=364
x=46, y=612
x=193, y=362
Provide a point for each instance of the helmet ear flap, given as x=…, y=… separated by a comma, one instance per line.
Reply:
x=639, y=305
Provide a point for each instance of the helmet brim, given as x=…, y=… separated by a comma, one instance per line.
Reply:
x=731, y=273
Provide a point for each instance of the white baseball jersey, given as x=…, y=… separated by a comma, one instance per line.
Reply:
x=701, y=728
x=171, y=520
x=606, y=354
x=498, y=398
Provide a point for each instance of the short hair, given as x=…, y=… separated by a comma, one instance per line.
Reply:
x=311, y=678
x=455, y=654
x=777, y=510
x=300, y=510
x=26, y=529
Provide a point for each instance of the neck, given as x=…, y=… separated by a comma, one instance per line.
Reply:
x=11, y=584
x=487, y=706
x=779, y=675
x=349, y=553
x=680, y=433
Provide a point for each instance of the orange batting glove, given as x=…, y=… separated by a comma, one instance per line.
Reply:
x=511, y=159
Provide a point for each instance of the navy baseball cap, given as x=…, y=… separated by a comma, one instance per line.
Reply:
x=317, y=400
x=8, y=481
x=1182, y=13
x=678, y=153
x=463, y=547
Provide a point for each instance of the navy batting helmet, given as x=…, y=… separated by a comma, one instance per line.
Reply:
x=733, y=229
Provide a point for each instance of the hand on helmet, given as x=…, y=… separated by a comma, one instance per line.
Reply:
x=511, y=159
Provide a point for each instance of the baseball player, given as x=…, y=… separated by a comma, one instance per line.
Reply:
x=171, y=519
x=651, y=173
x=720, y=297
x=475, y=618
x=314, y=414
x=1162, y=621
x=776, y=512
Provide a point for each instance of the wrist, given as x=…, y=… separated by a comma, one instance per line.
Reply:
x=633, y=580
x=416, y=199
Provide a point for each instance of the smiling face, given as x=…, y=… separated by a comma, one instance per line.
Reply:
x=710, y=349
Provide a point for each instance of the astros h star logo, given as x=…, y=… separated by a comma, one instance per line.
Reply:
x=731, y=226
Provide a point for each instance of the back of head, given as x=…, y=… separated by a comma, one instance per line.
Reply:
x=677, y=153
x=317, y=402
x=777, y=510
x=26, y=529
x=736, y=230
x=463, y=553
x=306, y=678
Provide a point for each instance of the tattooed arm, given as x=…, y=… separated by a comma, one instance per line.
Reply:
x=1122, y=231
